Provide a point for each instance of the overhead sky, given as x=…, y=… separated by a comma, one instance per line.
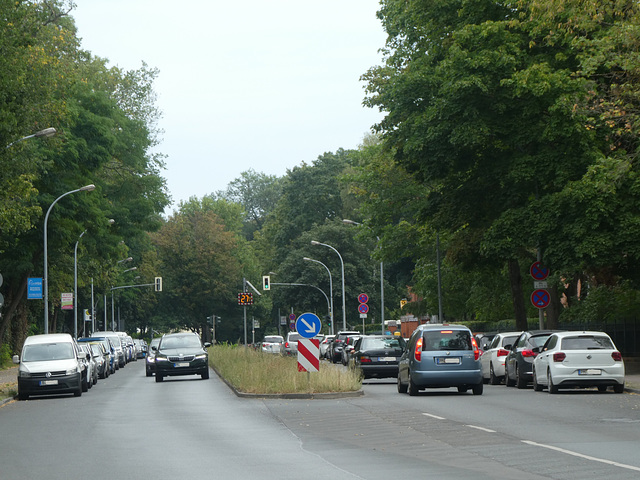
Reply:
x=244, y=84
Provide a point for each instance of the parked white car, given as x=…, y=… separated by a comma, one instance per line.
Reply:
x=273, y=344
x=493, y=358
x=578, y=359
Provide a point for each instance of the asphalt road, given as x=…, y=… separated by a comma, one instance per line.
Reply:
x=128, y=426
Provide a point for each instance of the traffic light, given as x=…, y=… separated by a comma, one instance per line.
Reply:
x=158, y=284
x=266, y=282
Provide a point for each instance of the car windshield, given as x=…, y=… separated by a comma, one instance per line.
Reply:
x=96, y=349
x=47, y=351
x=446, y=340
x=586, y=342
x=382, y=343
x=189, y=341
x=294, y=337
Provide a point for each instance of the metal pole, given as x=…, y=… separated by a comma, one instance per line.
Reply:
x=46, y=260
x=244, y=308
x=105, y=312
x=344, y=301
x=381, y=295
x=113, y=313
x=540, y=310
x=93, y=310
x=75, y=287
x=330, y=287
x=440, y=314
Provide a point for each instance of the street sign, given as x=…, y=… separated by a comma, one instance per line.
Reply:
x=308, y=355
x=245, y=298
x=542, y=284
x=538, y=271
x=540, y=298
x=34, y=288
x=308, y=325
x=363, y=298
x=66, y=301
x=292, y=317
x=363, y=308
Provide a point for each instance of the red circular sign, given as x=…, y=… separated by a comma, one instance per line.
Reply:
x=363, y=298
x=540, y=298
x=363, y=308
x=538, y=271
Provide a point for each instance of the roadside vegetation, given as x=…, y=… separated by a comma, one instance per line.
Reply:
x=251, y=371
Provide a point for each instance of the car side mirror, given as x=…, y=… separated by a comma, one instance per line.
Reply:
x=536, y=349
x=154, y=348
x=16, y=359
x=207, y=344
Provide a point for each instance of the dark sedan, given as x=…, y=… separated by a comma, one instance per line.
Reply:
x=377, y=355
x=181, y=354
x=518, y=366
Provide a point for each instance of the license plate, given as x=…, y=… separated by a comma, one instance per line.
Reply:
x=48, y=382
x=590, y=371
x=181, y=364
x=386, y=359
x=448, y=360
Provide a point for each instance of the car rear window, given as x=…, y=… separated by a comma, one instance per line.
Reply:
x=273, y=339
x=382, y=343
x=446, y=340
x=293, y=337
x=586, y=342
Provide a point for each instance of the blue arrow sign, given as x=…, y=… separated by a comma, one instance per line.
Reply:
x=308, y=325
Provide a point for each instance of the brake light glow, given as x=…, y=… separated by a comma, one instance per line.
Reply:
x=476, y=350
x=502, y=353
x=559, y=357
x=617, y=356
x=365, y=360
x=446, y=331
x=418, y=351
x=286, y=344
x=528, y=353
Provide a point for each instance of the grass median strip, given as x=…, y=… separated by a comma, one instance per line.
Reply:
x=252, y=371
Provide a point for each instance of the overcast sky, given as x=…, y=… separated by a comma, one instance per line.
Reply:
x=244, y=83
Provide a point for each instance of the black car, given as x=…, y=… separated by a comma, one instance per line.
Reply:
x=181, y=354
x=377, y=355
x=335, y=349
x=518, y=366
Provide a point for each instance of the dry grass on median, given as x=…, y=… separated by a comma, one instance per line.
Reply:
x=252, y=371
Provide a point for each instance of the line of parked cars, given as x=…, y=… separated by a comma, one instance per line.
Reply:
x=57, y=363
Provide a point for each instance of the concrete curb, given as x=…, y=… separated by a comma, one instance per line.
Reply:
x=290, y=396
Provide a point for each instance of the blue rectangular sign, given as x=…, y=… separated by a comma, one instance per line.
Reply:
x=34, y=289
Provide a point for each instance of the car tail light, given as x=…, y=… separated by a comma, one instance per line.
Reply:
x=617, y=356
x=476, y=350
x=365, y=360
x=559, y=357
x=446, y=331
x=264, y=345
x=418, y=352
x=527, y=352
x=502, y=352
x=286, y=345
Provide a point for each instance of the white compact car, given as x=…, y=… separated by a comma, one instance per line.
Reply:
x=578, y=359
x=273, y=344
x=494, y=356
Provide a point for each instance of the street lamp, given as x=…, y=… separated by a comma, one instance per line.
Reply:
x=344, y=310
x=86, y=188
x=351, y=222
x=330, y=287
x=46, y=133
x=75, y=287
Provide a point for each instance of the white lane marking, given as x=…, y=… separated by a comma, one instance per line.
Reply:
x=580, y=455
x=434, y=416
x=488, y=430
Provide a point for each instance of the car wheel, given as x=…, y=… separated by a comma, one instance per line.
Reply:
x=493, y=380
x=536, y=386
x=618, y=387
x=413, y=388
x=149, y=373
x=477, y=389
x=402, y=388
x=520, y=383
x=552, y=388
x=84, y=385
x=22, y=395
x=602, y=388
x=205, y=374
x=507, y=380
x=159, y=378
x=462, y=389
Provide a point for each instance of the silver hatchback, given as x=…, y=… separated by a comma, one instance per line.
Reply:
x=440, y=356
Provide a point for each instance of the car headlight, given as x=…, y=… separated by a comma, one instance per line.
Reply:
x=202, y=356
x=71, y=371
x=150, y=359
x=161, y=359
x=24, y=374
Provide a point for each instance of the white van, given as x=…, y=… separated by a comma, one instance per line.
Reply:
x=50, y=364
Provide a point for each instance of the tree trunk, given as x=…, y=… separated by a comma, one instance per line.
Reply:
x=515, y=280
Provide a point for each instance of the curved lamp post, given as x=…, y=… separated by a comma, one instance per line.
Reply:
x=330, y=287
x=344, y=310
x=86, y=188
x=46, y=133
x=75, y=287
x=351, y=222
